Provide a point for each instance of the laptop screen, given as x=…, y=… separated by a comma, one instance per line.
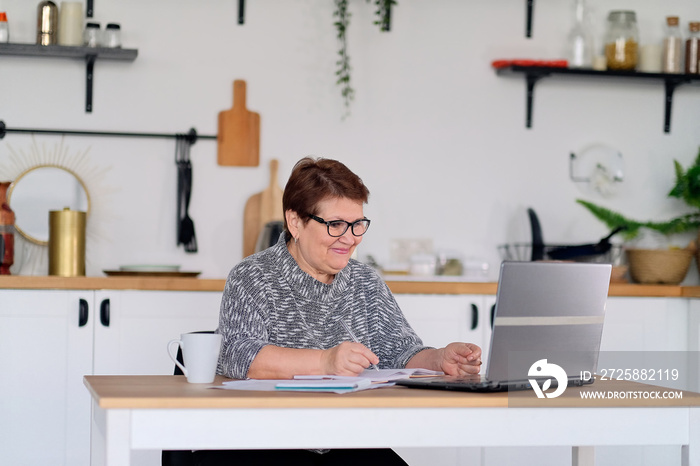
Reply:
x=547, y=310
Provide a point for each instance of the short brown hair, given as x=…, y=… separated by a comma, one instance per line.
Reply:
x=314, y=180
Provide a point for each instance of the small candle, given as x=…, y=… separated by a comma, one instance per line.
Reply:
x=650, y=58
x=600, y=63
x=70, y=23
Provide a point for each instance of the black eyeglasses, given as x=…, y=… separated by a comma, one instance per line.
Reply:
x=338, y=228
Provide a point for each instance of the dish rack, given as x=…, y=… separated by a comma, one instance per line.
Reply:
x=523, y=252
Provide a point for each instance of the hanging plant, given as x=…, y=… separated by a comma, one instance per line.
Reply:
x=341, y=23
x=343, y=72
x=383, y=14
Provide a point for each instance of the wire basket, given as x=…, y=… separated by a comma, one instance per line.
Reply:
x=523, y=252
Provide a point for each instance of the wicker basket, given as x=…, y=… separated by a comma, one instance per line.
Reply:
x=668, y=266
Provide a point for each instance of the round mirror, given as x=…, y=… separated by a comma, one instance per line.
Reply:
x=39, y=190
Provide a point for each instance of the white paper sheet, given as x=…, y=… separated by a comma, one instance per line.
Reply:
x=368, y=379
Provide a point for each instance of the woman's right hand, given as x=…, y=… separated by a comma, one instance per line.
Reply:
x=348, y=358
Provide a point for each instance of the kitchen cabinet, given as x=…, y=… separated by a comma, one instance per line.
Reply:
x=645, y=324
x=442, y=319
x=44, y=353
x=47, y=349
x=141, y=324
x=533, y=74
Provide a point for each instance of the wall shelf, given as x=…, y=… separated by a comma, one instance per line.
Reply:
x=533, y=74
x=89, y=54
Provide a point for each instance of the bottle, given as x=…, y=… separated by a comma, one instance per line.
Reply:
x=47, y=23
x=91, y=36
x=622, y=40
x=672, y=46
x=112, y=36
x=692, y=49
x=4, y=29
x=580, y=42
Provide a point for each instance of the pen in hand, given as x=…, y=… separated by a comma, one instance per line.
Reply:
x=354, y=338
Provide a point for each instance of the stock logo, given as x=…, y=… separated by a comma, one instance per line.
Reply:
x=541, y=369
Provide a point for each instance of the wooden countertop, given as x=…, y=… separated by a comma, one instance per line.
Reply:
x=168, y=391
x=398, y=286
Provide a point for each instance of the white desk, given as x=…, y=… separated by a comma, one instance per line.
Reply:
x=165, y=412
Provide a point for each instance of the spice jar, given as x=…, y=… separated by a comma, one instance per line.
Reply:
x=692, y=49
x=672, y=46
x=112, y=36
x=4, y=29
x=91, y=36
x=622, y=40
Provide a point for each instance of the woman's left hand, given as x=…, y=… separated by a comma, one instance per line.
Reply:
x=460, y=359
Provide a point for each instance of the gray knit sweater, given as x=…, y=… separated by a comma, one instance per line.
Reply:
x=269, y=300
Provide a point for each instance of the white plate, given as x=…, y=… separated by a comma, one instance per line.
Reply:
x=149, y=268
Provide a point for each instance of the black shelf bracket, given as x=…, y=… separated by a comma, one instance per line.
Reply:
x=530, y=80
x=535, y=73
x=241, y=11
x=89, y=69
x=528, y=19
x=670, y=85
x=90, y=8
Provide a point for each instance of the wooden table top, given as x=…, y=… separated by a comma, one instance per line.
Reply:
x=171, y=391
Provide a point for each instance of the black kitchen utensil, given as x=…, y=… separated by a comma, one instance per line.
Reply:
x=185, y=225
x=582, y=250
x=537, y=240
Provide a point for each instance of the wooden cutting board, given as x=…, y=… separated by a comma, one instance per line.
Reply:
x=261, y=208
x=238, y=134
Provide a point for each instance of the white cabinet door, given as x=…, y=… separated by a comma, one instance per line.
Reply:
x=45, y=350
x=132, y=339
x=442, y=319
x=645, y=324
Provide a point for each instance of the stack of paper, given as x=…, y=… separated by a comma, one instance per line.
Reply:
x=369, y=378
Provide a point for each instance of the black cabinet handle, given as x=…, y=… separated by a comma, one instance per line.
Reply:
x=475, y=316
x=82, y=312
x=493, y=314
x=104, y=312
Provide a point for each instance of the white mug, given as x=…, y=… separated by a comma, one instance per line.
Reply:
x=200, y=352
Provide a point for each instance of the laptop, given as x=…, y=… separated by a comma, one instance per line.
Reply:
x=546, y=314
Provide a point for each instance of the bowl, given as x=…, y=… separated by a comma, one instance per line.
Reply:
x=666, y=266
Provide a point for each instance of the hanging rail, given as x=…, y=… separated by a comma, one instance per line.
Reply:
x=191, y=136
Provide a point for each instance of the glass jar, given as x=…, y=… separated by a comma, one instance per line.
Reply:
x=112, y=36
x=692, y=49
x=622, y=40
x=673, y=46
x=4, y=29
x=91, y=35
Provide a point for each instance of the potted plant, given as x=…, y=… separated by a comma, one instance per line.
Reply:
x=660, y=265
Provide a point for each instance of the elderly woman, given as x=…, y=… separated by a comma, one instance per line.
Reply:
x=285, y=310
x=295, y=307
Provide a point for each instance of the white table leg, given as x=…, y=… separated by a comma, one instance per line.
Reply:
x=582, y=456
x=110, y=437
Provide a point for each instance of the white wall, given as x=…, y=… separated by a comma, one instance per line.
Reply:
x=439, y=139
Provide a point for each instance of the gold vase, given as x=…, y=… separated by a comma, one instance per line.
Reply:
x=67, y=243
